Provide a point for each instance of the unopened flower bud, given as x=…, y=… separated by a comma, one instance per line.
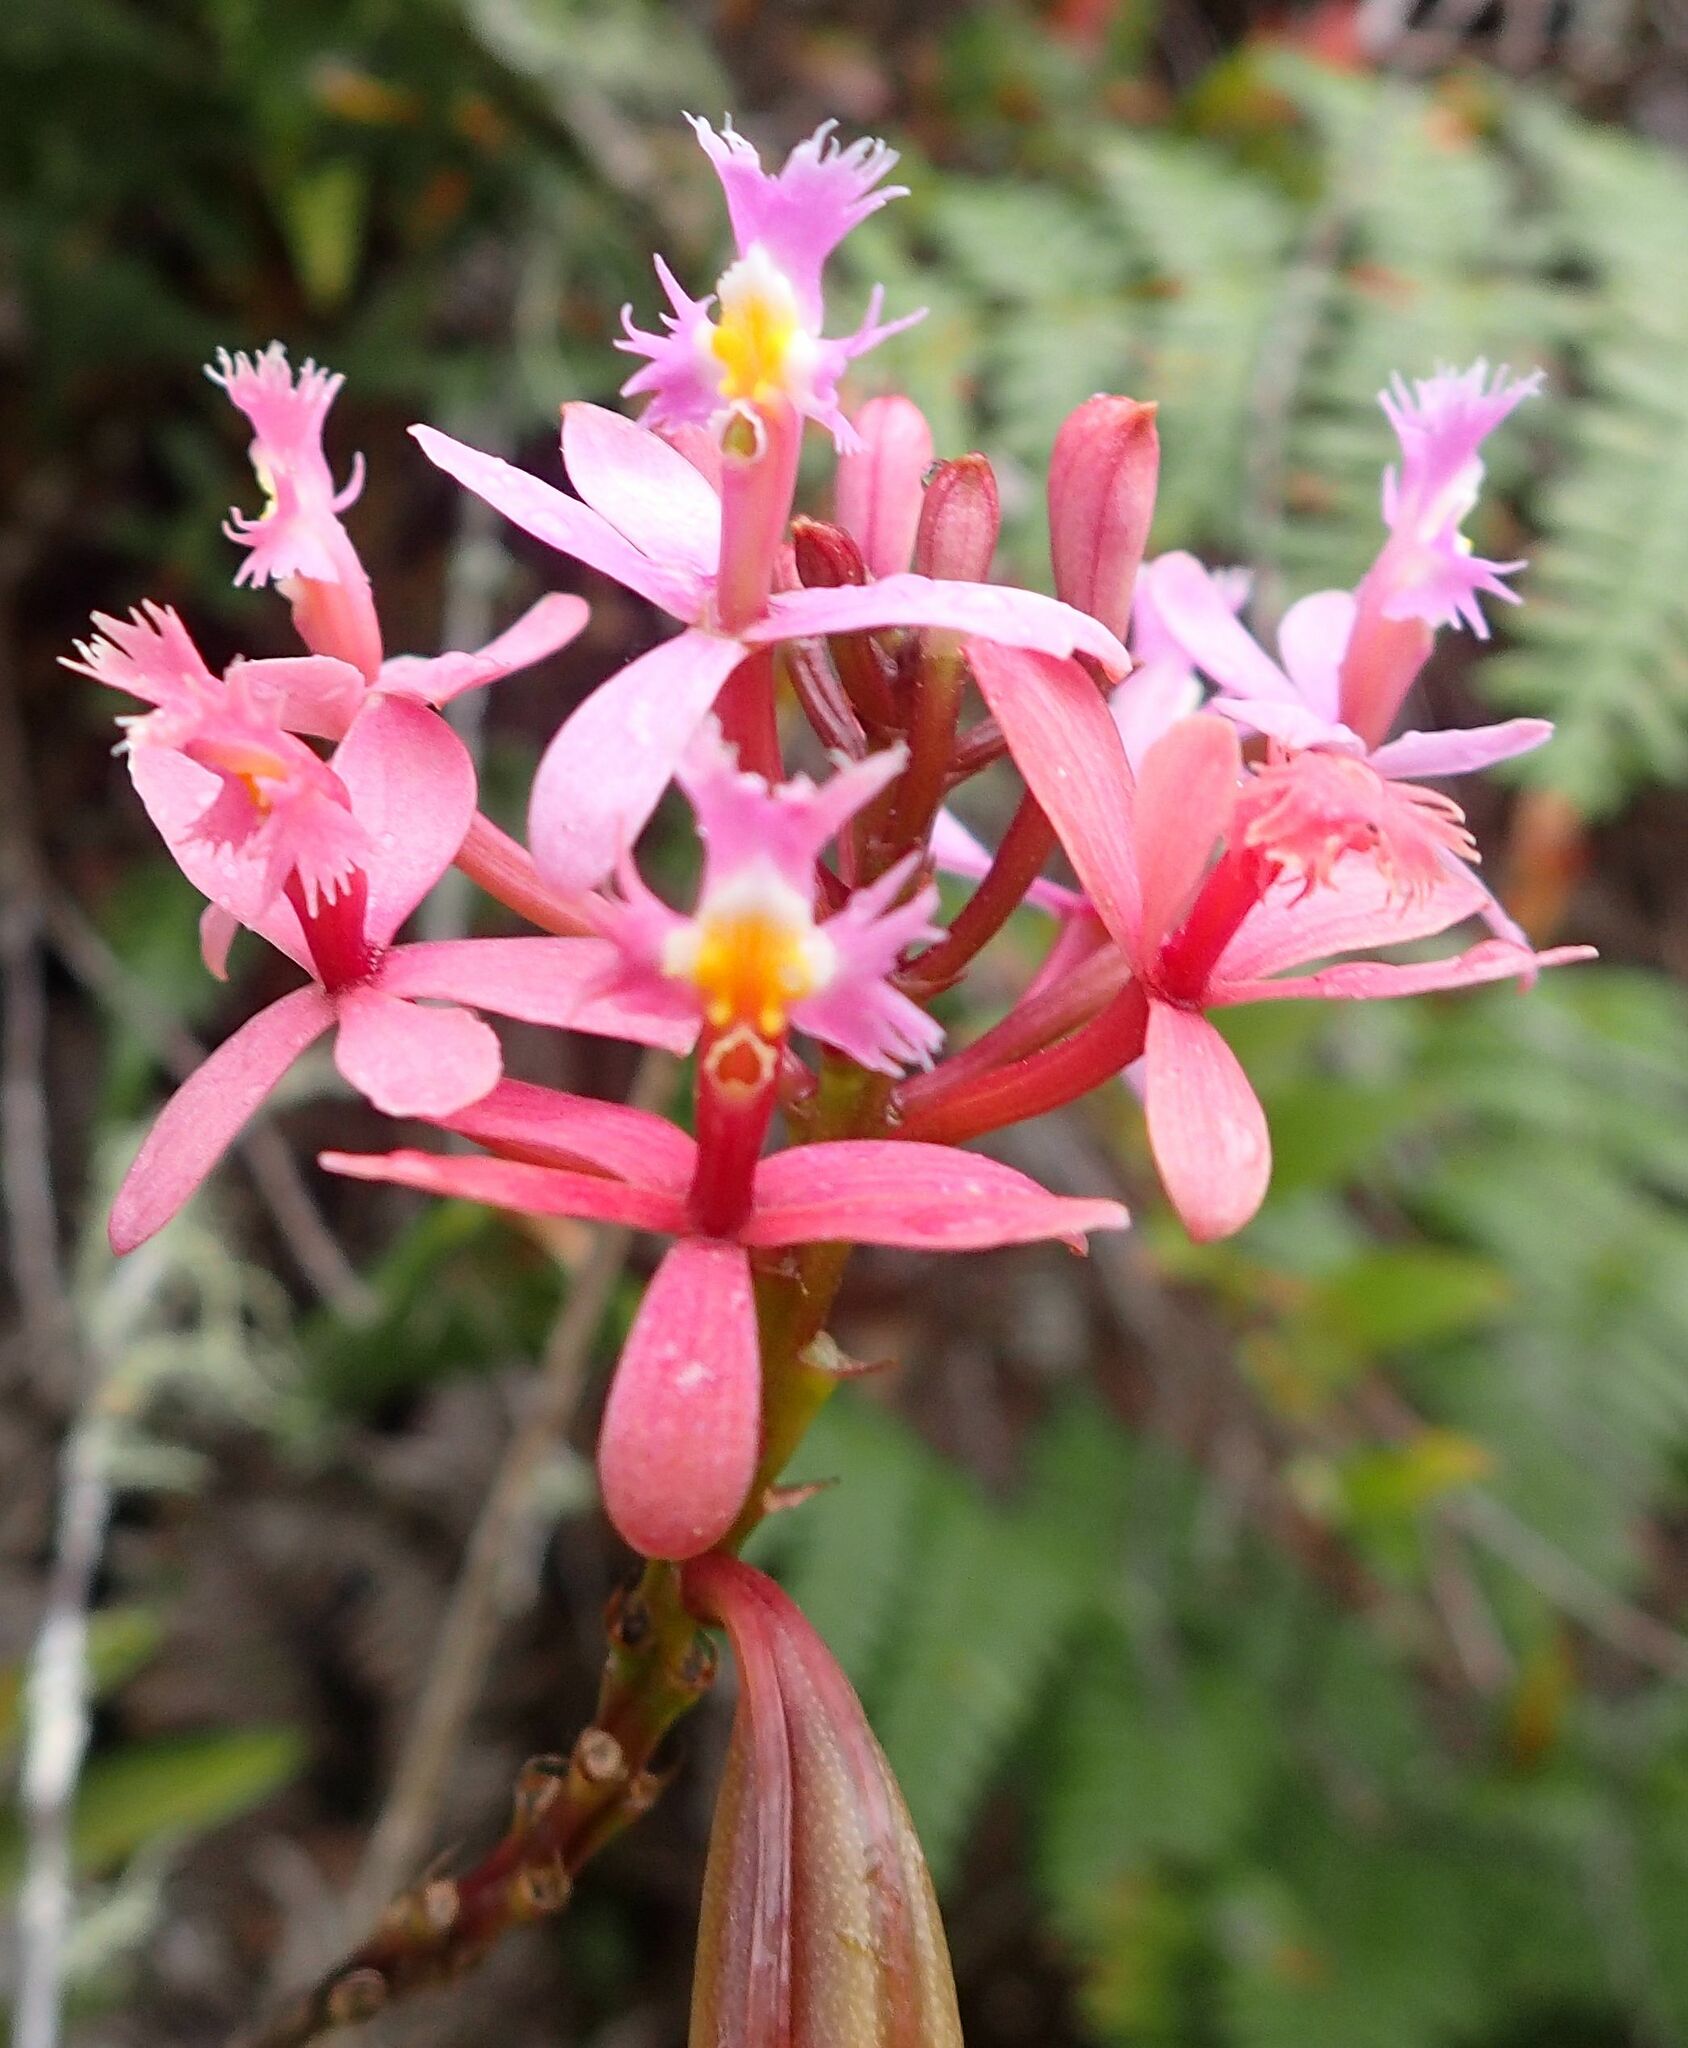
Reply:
x=827, y=557
x=819, y=1922
x=1102, y=476
x=879, y=490
x=959, y=522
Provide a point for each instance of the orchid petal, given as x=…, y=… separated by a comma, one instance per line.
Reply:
x=1370, y=980
x=605, y=771
x=200, y=1120
x=901, y=1192
x=990, y=611
x=1312, y=639
x=542, y=981
x=1067, y=747
x=176, y=793
x=412, y=787
x=512, y=1184
x=1292, y=725
x=647, y=490
x=547, y=1127
x=542, y=630
x=683, y=1424
x=1415, y=755
x=1192, y=608
x=1186, y=792
x=562, y=522
x=1206, y=1127
x=1153, y=697
x=216, y=935
x=410, y=1061
x=1357, y=909
x=310, y=693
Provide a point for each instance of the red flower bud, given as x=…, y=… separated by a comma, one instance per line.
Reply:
x=1102, y=476
x=879, y=489
x=959, y=522
x=819, y=1924
x=827, y=557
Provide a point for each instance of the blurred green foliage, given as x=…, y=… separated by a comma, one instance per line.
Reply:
x=1382, y=1750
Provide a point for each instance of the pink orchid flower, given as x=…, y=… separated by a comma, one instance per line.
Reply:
x=647, y=517
x=681, y=1434
x=766, y=343
x=300, y=544
x=1321, y=856
x=1348, y=661
x=1299, y=699
x=753, y=958
x=326, y=859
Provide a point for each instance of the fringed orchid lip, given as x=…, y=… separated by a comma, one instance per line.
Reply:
x=1307, y=811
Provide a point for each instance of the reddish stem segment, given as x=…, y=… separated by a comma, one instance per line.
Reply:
x=1054, y=1013
x=494, y=862
x=1043, y=1081
x=1026, y=845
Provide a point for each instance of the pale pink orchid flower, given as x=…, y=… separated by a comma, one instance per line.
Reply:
x=364, y=836
x=300, y=544
x=1298, y=699
x=753, y=956
x=1321, y=857
x=764, y=343
x=1299, y=702
x=650, y=519
x=681, y=1435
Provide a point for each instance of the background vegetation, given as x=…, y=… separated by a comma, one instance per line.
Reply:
x=1281, y=1644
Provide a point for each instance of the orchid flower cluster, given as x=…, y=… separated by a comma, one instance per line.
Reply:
x=1234, y=827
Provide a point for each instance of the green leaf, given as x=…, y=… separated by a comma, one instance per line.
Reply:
x=174, y=1786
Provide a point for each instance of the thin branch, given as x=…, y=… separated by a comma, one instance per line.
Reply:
x=472, y=1619
x=274, y=1170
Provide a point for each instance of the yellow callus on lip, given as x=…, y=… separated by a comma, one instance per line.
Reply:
x=258, y=767
x=759, y=343
x=751, y=955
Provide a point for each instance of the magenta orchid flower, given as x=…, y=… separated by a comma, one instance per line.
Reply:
x=1321, y=856
x=682, y=1427
x=753, y=958
x=765, y=345
x=325, y=860
x=650, y=519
